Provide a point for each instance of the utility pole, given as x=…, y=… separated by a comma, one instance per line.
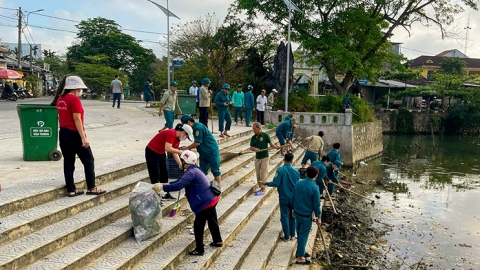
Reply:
x=466, y=36
x=19, y=46
x=31, y=58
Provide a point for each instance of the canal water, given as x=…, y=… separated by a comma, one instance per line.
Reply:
x=429, y=195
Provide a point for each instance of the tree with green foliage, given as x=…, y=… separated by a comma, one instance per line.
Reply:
x=352, y=38
x=101, y=41
x=97, y=76
x=452, y=65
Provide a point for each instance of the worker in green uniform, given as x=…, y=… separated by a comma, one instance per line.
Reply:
x=283, y=135
x=206, y=146
x=223, y=102
x=334, y=155
x=288, y=117
x=285, y=179
x=347, y=103
x=332, y=175
x=167, y=105
x=259, y=144
x=306, y=200
x=321, y=166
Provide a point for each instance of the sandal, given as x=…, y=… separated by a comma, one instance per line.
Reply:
x=284, y=239
x=76, y=193
x=225, y=134
x=222, y=136
x=306, y=262
x=213, y=244
x=96, y=191
x=195, y=253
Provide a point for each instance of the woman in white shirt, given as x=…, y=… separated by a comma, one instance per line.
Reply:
x=261, y=104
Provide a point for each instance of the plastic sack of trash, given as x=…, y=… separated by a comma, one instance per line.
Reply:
x=145, y=210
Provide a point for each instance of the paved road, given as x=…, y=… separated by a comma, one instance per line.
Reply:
x=116, y=136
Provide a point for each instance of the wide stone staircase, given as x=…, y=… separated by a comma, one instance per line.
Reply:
x=44, y=229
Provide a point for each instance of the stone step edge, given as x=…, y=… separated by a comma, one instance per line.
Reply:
x=27, y=227
x=309, y=248
x=25, y=202
x=269, y=238
x=256, y=233
x=153, y=246
x=166, y=210
x=175, y=261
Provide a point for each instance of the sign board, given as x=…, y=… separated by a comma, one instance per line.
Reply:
x=363, y=81
x=46, y=66
x=177, y=63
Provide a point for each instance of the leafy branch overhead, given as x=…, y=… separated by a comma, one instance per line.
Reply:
x=351, y=38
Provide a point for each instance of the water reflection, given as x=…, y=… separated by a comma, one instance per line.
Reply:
x=430, y=195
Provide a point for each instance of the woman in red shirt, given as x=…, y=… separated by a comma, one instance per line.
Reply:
x=73, y=140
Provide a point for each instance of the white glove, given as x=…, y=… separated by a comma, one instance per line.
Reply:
x=157, y=187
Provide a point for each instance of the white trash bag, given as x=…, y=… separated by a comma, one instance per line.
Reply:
x=145, y=210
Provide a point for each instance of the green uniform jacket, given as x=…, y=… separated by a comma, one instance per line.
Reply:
x=334, y=155
x=332, y=175
x=306, y=198
x=220, y=100
x=284, y=128
x=322, y=171
x=203, y=136
x=285, y=179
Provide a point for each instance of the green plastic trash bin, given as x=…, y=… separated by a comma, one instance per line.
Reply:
x=188, y=104
x=39, y=127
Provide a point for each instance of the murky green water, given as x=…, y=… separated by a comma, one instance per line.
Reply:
x=431, y=195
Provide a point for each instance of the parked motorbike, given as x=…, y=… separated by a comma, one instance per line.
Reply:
x=84, y=94
x=88, y=92
x=9, y=96
x=20, y=93
x=28, y=93
x=52, y=92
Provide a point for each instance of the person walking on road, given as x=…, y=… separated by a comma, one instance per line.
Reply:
x=147, y=93
x=285, y=179
x=207, y=147
x=156, y=153
x=271, y=98
x=201, y=199
x=223, y=102
x=306, y=200
x=261, y=105
x=167, y=105
x=259, y=144
x=238, y=99
x=314, y=148
x=72, y=136
x=249, y=102
x=205, y=101
x=117, y=89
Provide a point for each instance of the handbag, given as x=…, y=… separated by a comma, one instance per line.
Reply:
x=215, y=187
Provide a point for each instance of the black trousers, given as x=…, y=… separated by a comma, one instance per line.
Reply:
x=206, y=215
x=71, y=145
x=261, y=117
x=156, y=166
x=204, y=115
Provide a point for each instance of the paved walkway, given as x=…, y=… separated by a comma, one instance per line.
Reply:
x=117, y=137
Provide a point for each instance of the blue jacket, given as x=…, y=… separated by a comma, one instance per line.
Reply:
x=220, y=100
x=198, y=94
x=332, y=175
x=285, y=179
x=284, y=128
x=197, y=188
x=306, y=198
x=249, y=100
x=322, y=172
x=334, y=155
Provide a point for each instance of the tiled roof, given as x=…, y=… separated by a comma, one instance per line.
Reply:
x=444, y=53
x=436, y=61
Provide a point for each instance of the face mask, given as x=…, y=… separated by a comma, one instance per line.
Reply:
x=182, y=138
x=79, y=93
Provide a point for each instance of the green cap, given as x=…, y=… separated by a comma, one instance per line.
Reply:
x=226, y=86
x=173, y=83
x=185, y=118
x=239, y=85
x=206, y=81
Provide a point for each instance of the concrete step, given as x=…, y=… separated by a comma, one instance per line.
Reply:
x=21, y=227
x=171, y=253
x=259, y=255
x=39, y=190
x=100, y=241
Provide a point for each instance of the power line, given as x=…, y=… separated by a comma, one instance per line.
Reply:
x=417, y=50
x=9, y=8
x=8, y=18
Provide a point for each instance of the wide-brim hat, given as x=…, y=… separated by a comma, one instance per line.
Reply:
x=74, y=82
x=206, y=81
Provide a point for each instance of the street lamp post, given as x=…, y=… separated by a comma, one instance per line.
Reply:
x=169, y=14
x=20, y=30
x=290, y=6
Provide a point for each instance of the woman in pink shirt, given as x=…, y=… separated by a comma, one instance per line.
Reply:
x=73, y=140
